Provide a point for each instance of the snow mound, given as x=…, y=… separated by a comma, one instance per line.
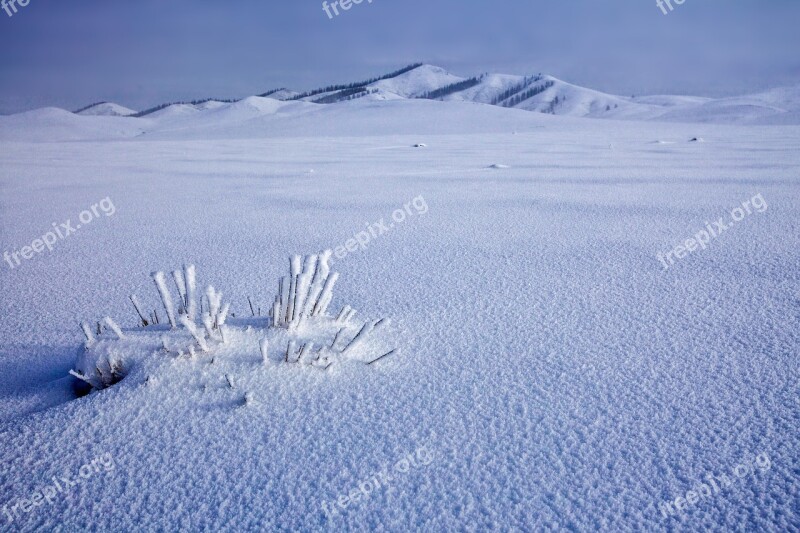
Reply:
x=174, y=111
x=50, y=124
x=415, y=82
x=210, y=104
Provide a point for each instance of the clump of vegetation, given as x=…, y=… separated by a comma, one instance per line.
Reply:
x=296, y=330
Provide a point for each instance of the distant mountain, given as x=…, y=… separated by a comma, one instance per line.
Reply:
x=105, y=109
x=538, y=93
x=279, y=94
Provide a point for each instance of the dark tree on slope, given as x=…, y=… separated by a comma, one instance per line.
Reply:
x=89, y=107
x=551, y=109
x=511, y=91
x=530, y=93
x=271, y=92
x=346, y=94
x=332, y=88
x=452, y=88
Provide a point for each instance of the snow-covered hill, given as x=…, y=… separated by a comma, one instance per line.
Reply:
x=536, y=93
x=416, y=82
x=106, y=109
x=280, y=94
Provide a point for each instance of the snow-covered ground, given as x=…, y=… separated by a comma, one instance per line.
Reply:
x=552, y=373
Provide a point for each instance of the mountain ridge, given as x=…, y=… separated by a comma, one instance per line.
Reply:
x=536, y=93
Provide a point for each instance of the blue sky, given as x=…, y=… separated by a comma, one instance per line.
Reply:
x=142, y=53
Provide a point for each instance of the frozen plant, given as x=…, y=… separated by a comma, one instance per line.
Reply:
x=298, y=321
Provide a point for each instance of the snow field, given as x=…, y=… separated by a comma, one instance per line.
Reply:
x=562, y=377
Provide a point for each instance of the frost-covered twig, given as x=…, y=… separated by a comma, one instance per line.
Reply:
x=166, y=299
x=387, y=354
x=366, y=329
x=208, y=323
x=223, y=315
x=135, y=302
x=284, y=296
x=92, y=381
x=294, y=270
x=306, y=283
x=342, y=313
x=87, y=332
x=114, y=327
x=214, y=301
x=263, y=347
x=327, y=295
x=336, y=338
x=290, y=349
x=190, y=278
x=303, y=357
x=189, y=325
x=276, y=314
x=180, y=283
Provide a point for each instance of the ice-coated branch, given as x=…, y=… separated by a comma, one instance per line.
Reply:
x=87, y=331
x=294, y=272
x=336, y=338
x=114, y=327
x=342, y=313
x=303, y=357
x=327, y=295
x=189, y=325
x=305, y=283
x=191, y=286
x=387, y=354
x=366, y=329
x=263, y=347
x=166, y=299
x=223, y=315
x=290, y=349
x=276, y=313
x=138, y=307
x=208, y=323
x=92, y=381
x=180, y=283
x=314, y=290
x=214, y=301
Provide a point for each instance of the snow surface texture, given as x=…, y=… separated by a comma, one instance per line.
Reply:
x=558, y=375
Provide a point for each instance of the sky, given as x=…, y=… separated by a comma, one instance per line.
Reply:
x=147, y=52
